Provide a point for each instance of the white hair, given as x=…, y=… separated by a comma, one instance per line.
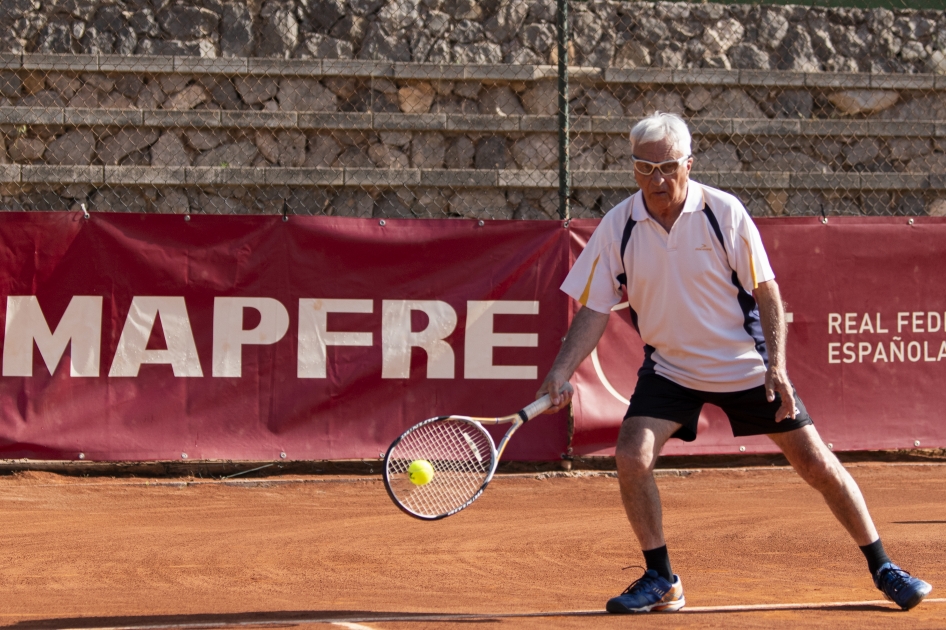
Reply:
x=659, y=126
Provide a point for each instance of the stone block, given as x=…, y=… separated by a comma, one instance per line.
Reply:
x=322, y=151
x=256, y=89
x=428, y=150
x=24, y=149
x=416, y=98
x=172, y=201
x=11, y=61
x=72, y=148
x=541, y=99
x=205, y=139
x=238, y=154
x=305, y=95
x=125, y=142
x=169, y=151
x=352, y=203
x=119, y=200
x=852, y=102
x=480, y=204
x=536, y=151
x=188, y=98
x=10, y=174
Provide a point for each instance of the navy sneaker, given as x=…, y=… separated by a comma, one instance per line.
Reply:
x=651, y=593
x=900, y=587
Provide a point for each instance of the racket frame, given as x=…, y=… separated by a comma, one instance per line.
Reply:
x=517, y=419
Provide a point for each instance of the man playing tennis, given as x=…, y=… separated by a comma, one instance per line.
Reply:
x=704, y=299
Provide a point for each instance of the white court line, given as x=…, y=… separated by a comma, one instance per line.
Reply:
x=353, y=623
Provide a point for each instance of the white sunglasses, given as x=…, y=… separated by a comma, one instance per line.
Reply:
x=645, y=167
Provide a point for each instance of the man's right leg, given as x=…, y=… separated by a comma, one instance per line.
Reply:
x=638, y=447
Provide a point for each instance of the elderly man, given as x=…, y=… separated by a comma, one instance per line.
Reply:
x=705, y=302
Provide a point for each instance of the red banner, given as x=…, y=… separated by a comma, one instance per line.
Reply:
x=135, y=337
x=866, y=343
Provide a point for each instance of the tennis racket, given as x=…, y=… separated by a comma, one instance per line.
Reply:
x=456, y=457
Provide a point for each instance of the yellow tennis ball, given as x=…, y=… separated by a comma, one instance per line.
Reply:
x=420, y=472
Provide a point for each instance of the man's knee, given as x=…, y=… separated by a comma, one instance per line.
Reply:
x=819, y=467
x=634, y=453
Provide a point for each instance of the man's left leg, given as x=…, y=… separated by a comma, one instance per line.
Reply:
x=819, y=467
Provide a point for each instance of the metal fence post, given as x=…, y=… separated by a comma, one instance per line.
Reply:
x=564, y=116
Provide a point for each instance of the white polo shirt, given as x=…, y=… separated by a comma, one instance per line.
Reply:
x=689, y=290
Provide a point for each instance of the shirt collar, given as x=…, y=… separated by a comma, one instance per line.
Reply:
x=693, y=203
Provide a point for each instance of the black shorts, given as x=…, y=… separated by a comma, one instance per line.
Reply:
x=748, y=411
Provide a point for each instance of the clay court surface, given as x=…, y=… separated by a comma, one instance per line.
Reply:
x=755, y=547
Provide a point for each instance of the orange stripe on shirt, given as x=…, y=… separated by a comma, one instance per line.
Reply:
x=755, y=282
x=584, y=294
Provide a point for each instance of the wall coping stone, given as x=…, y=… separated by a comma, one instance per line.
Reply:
x=355, y=68
x=389, y=178
x=207, y=118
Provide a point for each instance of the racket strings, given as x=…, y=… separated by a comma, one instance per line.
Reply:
x=461, y=455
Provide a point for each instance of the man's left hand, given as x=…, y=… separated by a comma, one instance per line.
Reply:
x=776, y=382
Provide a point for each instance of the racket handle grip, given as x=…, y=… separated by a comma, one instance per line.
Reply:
x=540, y=405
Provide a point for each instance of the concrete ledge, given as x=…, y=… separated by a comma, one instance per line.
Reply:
x=259, y=120
x=165, y=118
x=133, y=176
x=460, y=178
x=31, y=116
x=382, y=178
x=103, y=117
x=752, y=180
x=426, y=122
x=305, y=176
x=336, y=120
x=47, y=174
x=528, y=179
x=499, y=73
x=145, y=176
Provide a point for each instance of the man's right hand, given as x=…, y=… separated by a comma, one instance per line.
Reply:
x=558, y=389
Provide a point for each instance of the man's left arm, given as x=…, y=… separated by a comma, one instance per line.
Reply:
x=772, y=314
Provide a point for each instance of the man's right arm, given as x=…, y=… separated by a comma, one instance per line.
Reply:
x=583, y=335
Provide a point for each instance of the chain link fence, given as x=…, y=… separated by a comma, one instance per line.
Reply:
x=436, y=108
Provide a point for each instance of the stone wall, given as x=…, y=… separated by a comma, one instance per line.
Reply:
x=604, y=34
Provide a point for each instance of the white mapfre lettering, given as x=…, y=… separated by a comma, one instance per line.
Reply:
x=480, y=340
x=132, y=351
x=397, y=338
x=314, y=337
x=229, y=336
x=80, y=326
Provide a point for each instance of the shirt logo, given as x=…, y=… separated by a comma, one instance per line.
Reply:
x=704, y=248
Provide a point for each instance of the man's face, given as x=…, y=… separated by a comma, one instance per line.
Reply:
x=662, y=192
